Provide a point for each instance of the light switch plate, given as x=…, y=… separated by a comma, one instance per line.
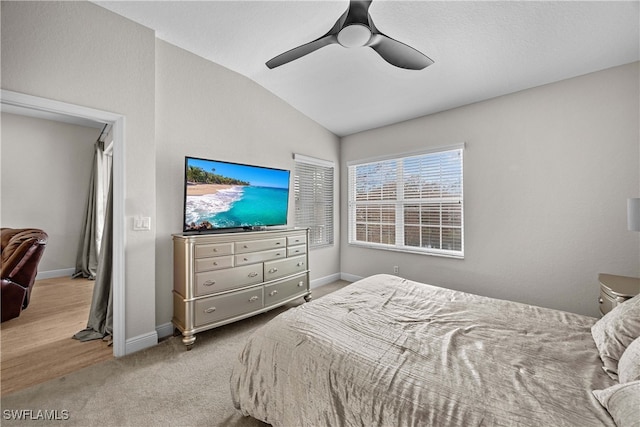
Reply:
x=142, y=223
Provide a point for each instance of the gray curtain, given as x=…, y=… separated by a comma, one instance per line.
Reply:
x=87, y=255
x=100, y=323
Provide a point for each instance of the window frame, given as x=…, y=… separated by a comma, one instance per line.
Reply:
x=316, y=210
x=396, y=203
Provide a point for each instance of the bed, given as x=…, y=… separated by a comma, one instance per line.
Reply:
x=386, y=351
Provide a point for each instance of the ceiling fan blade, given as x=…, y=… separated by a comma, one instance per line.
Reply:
x=300, y=51
x=357, y=13
x=398, y=54
x=307, y=48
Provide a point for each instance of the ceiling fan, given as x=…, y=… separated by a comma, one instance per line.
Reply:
x=355, y=28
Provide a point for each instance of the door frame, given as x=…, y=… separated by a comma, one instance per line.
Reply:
x=20, y=103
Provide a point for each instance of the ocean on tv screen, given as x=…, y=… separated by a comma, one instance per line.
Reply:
x=234, y=206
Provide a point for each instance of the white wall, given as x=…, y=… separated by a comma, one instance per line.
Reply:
x=578, y=137
x=46, y=167
x=80, y=53
x=206, y=110
x=547, y=172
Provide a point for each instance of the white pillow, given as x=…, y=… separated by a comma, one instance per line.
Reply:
x=623, y=403
x=615, y=331
x=629, y=363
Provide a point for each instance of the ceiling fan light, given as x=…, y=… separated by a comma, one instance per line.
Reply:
x=356, y=35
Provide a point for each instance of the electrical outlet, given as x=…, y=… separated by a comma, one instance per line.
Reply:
x=396, y=269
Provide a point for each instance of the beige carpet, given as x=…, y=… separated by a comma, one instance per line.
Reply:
x=161, y=386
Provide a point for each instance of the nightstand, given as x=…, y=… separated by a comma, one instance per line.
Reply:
x=616, y=289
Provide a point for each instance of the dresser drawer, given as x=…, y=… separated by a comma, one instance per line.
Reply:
x=296, y=250
x=213, y=249
x=254, y=257
x=615, y=290
x=284, y=267
x=297, y=240
x=214, y=263
x=231, y=278
x=222, y=307
x=607, y=302
x=281, y=291
x=259, y=245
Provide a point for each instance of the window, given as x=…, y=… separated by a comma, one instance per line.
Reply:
x=412, y=203
x=313, y=194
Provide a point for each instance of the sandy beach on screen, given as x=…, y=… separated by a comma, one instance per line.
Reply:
x=202, y=189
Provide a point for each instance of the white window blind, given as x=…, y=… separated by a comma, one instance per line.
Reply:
x=412, y=203
x=313, y=195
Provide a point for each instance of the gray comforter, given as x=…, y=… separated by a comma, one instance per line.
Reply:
x=386, y=351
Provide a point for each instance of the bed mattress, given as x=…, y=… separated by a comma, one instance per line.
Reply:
x=386, y=351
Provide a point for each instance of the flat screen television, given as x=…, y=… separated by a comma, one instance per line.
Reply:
x=223, y=195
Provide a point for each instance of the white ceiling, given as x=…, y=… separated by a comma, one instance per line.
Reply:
x=481, y=50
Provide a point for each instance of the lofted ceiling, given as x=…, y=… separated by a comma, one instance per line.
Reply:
x=481, y=49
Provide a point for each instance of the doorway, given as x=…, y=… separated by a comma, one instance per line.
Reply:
x=18, y=103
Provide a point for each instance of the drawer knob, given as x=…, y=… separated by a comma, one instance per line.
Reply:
x=272, y=293
x=209, y=283
x=600, y=300
x=300, y=284
x=215, y=262
x=210, y=310
x=277, y=243
x=273, y=270
x=253, y=274
x=253, y=298
x=300, y=264
x=246, y=247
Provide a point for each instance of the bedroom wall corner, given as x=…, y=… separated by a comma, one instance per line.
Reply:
x=206, y=110
x=547, y=172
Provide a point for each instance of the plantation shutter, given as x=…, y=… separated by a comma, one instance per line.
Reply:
x=313, y=195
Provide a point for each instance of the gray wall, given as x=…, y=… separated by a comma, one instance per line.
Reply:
x=80, y=53
x=206, y=110
x=547, y=173
x=577, y=139
x=45, y=169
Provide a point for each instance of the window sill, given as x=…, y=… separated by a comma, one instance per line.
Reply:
x=408, y=250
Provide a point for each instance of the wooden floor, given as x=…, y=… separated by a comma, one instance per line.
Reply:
x=37, y=346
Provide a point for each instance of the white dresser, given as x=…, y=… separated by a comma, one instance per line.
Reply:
x=222, y=278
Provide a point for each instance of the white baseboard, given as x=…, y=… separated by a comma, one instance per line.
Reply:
x=350, y=277
x=165, y=330
x=140, y=342
x=324, y=280
x=52, y=274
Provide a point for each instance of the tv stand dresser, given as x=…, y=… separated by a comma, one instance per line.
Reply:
x=222, y=278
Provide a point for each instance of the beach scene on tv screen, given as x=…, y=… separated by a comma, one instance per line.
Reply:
x=228, y=195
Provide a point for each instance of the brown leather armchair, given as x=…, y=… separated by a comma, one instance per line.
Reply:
x=20, y=253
